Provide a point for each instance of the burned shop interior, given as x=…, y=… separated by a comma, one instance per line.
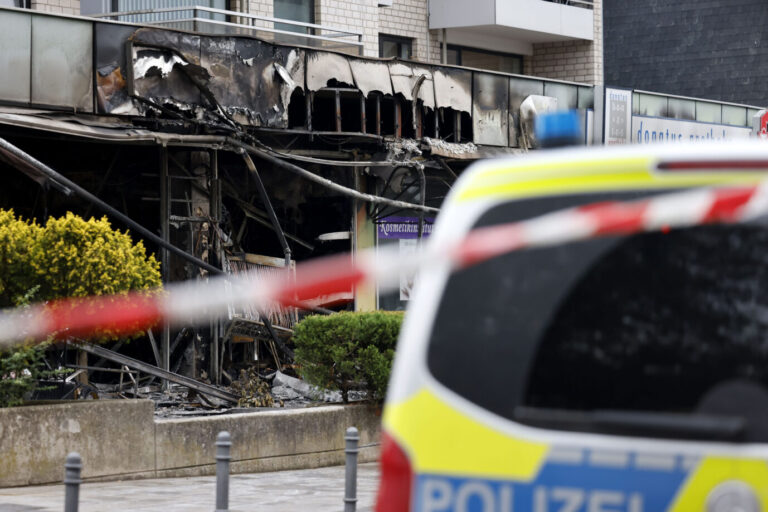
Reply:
x=231, y=154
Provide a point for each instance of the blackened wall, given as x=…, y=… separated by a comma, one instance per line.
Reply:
x=716, y=49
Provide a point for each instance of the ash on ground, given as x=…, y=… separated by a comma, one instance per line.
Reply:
x=256, y=393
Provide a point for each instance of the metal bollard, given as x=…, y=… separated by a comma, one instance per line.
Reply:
x=223, y=445
x=72, y=481
x=350, y=476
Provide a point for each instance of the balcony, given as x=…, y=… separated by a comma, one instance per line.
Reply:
x=210, y=20
x=512, y=25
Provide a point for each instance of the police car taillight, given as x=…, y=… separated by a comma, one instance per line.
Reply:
x=396, y=477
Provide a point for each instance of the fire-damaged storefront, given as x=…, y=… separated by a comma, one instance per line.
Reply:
x=229, y=154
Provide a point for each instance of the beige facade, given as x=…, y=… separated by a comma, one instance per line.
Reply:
x=57, y=6
x=577, y=61
x=572, y=60
x=404, y=18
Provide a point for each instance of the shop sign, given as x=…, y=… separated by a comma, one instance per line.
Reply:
x=618, y=116
x=648, y=130
x=405, y=231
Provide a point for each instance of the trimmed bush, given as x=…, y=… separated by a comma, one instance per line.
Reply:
x=70, y=257
x=67, y=257
x=347, y=351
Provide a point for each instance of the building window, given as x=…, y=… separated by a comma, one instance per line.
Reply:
x=394, y=46
x=485, y=59
x=14, y=3
x=295, y=10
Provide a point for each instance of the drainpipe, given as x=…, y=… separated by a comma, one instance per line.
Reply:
x=444, y=58
x=429, y=35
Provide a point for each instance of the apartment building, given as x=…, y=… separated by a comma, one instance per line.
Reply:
x=560, y=39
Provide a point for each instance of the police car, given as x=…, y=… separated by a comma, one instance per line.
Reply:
x=616, y=374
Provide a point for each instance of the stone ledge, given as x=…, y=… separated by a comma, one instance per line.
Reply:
x=121, y=440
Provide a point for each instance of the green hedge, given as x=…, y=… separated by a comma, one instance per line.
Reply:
x=347, y=351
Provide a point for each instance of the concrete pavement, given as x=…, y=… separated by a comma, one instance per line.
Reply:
x=317, y=490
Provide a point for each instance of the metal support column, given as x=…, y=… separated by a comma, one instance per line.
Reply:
x=457, y=127
x=281, y=238
x=398, y=118
x=363, y=117
x=165, y=257
x=422, y=198
x=215, y=210
x=337, y=99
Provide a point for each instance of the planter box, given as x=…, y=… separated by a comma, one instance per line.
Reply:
x=120, y=439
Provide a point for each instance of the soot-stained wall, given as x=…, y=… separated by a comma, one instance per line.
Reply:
x=716, y=49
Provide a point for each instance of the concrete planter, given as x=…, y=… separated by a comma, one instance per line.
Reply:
x=120, y=439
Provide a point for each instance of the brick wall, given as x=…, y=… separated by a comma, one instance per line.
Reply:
x=257, y=7
x=357, y=15
x=580, y=61
x=577, y=61
x=716, y=49
x=57, y=6
x=408, y=18
x=404, y=18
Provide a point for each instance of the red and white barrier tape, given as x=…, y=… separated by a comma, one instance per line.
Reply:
x=200, y=301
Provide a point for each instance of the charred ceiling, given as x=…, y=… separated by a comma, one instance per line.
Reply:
x=153, y=72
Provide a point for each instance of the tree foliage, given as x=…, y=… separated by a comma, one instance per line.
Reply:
x=70, y=257
x=67, y=257
x=348, y=350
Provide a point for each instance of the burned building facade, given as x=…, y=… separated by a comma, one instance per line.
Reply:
x=237, y=154
x=230, y=153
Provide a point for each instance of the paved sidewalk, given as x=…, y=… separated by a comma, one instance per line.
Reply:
x=320, y=490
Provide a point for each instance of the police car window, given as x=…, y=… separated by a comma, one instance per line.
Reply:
x=668, y=324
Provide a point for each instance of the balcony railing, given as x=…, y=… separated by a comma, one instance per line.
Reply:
x=207, y=20
x=586, y=4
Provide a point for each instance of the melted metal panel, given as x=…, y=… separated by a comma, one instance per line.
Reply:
x=237, y=68
x=163, y=63
x=187, y=45
x=490, y=109
x=427, y=89
x=62, y=62
x=15, y=57
x=405, y=77
x=289, y=64
x=158, y=76
x=453, y=89
x=323, y=68
x=111, y=68
x=252, y=80
x=371, y=76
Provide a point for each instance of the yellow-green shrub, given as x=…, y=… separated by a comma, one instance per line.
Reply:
x=70, y=257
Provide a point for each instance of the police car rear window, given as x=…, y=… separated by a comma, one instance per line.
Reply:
x=598, y=335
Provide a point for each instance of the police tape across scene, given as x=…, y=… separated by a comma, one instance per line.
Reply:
x=200, y=301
